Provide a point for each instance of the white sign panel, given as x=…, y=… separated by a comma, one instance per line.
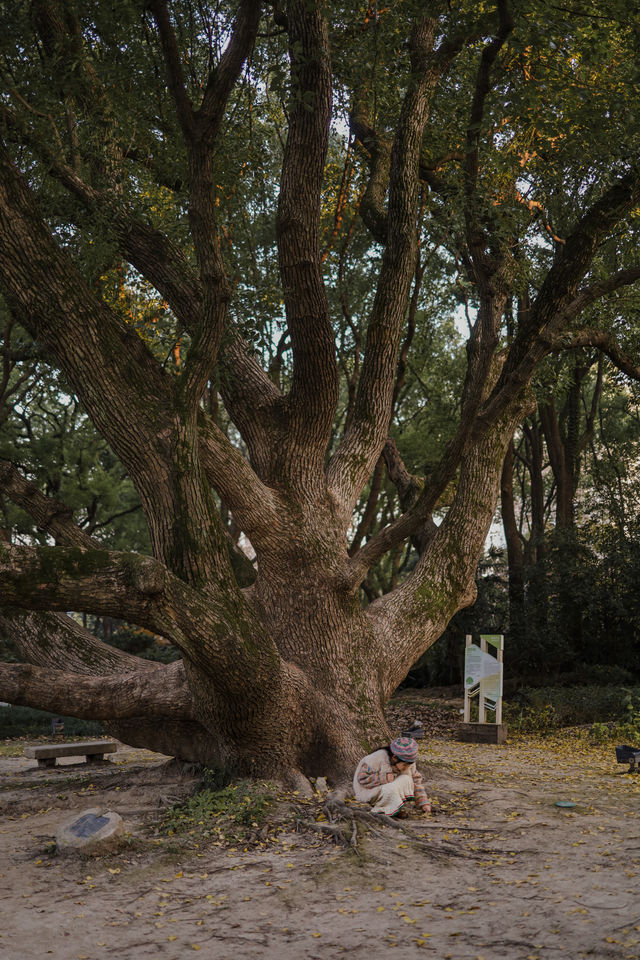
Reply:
x=481, y=666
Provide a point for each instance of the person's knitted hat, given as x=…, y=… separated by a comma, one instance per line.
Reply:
x=404, y=748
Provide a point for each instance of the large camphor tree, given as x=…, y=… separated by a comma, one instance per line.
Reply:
x=190, y=148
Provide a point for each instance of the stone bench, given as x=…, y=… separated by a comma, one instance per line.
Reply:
x=47, y=753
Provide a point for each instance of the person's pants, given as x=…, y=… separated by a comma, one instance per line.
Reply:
x=391, y=796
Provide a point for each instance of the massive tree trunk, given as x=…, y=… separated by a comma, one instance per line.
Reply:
x=312, y=704
x=288, y=676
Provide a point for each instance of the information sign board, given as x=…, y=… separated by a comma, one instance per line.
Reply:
x=483, y=677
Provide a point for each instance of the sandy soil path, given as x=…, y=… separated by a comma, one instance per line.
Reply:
x=500, y=872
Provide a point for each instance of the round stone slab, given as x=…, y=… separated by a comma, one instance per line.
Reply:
x=92, y=831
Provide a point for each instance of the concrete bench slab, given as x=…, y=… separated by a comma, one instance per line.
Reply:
x=47, y=753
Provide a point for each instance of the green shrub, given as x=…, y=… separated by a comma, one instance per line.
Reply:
x=538, y=709
x=228, y=812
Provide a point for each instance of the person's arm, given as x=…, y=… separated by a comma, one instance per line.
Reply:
x=373, y=775
x=419, y=792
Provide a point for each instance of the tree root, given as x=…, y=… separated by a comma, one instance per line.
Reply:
x=347, y=823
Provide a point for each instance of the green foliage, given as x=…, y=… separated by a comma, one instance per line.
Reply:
x=47, y=435
x=540, y=709
x=224, y=810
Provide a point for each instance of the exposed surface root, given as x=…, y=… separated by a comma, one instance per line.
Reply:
x=349, y=823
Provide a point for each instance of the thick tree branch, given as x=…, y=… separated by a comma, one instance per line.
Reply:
x=244, y=385
x=165, y=266
x=314, y=391
x=159, y=693
x=488, y=261
x=222, y=80
x=112, y=583
x=255, y=506
x=442, y=582
x=57, y=642
x=409, y=488
x=61, y=311
x=207, y=336
x=200, y=130
x=378, y=148
x=417, y=520
x=173, y=67
x=370, y=509
x=601, y=340
x=211, y=630
x=596, y=291
x=253, y=401
x=147, y=249
x=130, y=404
x=475, y=233
x=372, y=206
x=352, y=463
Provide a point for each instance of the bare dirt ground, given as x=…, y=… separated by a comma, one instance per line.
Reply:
x=497, y=871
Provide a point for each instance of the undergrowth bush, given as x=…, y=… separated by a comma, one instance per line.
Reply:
x=540, y=709
x=228, y=812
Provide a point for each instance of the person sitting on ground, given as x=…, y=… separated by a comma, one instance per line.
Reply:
x=388, y=777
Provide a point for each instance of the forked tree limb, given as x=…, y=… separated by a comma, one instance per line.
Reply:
x=489, y=264
x=351, y=465
x=200, y=128
x=173, y=66
x=373, y=209
x=476, y=238
x=442, y=582
x=224, y=77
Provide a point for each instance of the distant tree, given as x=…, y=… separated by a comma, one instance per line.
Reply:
x=192, y=148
